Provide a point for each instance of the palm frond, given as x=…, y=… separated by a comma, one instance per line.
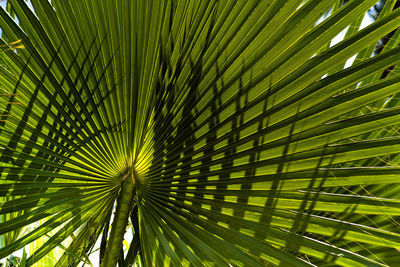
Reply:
x=230, y=133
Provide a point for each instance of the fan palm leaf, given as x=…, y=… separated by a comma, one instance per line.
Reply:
x=226, y=133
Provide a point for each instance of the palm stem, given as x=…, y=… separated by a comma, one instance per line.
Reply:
x=124, y=203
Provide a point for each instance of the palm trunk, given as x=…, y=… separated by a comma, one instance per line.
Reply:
x=124, y=203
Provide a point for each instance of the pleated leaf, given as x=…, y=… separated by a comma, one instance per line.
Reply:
x=228, y=133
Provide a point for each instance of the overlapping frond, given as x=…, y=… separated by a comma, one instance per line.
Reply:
x=247, y=138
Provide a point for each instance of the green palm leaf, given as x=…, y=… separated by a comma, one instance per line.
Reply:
x=228, y=133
